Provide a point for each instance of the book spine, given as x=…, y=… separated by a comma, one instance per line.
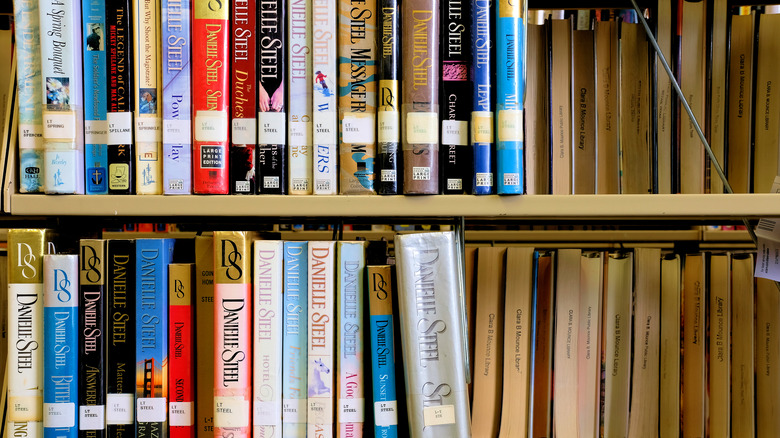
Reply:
x=151, y=354
x=177, y=98
x=267, y=349
x=300, y=97
x=63, y=110
x=457, y=158
x=321, y=339
x=271, y=117
x=324, y=114
x=204, y=315
x=28, y=55
x=388, y=115
x=510, y=93
x=92, y=342
x=358, y=101
x=232, y=334
x=210, y=67
x=243, y=95
x=181, y=354
x=351, y=375
x=121, y=343
x=296, y=332
x=419, y=108
x=541, y=352
x=380, y=302
x=60, y=385
x=25, y=331
x=148, y=86
x=95, y=110
x=121, y=148
x=482, y=111
x=430, y=308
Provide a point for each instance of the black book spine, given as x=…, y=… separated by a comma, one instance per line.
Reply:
x=92, y=397
x=120, y=354
x=388, y=158
x=456, y=159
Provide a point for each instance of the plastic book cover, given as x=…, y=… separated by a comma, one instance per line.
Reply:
x=483, y=67
x=121, y=148
x=243, y=98
x=295, y=343
x=388, y=136
x=321, y=362
x=181, y=350
x=300, y=97
x=92, y=342
x=383, y=349
x=95, y=110
x=324, y=96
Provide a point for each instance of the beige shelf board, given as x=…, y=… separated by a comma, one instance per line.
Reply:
x=569, y=207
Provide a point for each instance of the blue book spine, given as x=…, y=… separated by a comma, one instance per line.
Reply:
x=350, y=332
x=510, y=88
x=60, y=325
x=96, y=97
x=177, y=102
x=380, y=300
x=482, y=116
x=151, y=353
x=295, y=343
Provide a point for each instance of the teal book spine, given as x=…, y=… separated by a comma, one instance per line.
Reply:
x=295, y=342
x=382, y=333
x=95, y=97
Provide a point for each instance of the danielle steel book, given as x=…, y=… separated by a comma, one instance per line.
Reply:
x=299, y=89
x=324, y=97
x=92, y=341
x=388, y=116
x=181, y=353
x=383, y=353
x=243, y=98
x=321, y=362
x=482, y=115
x=294, y=345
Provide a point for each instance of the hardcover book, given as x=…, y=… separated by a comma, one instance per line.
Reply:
x=483, y=66
x=717, y=49
x=210, y=67
x=268, y=316
x=387, y=178
x=63, y=108
x=766, y=129
x=300, y=97
x=92, y=342
x=295, y=342
x=60, y=326
x=28, y=55
x=383, y=344
x=541, y=351
x=607, y=159
x=358, y=98
x=147, y=29
x=719, y=344
x=243, y=97
x=232, y=334
x=177, y=98
x=692, y=77
x=560, y=106
x=740, y=95
x=566, y=354
x=121, y=86
x=617, y=343
x=324, y=97
x=537, y=138
x=767, y=357
x=743, y=389
x=664, y=98
x=430, y=310
x=271, y=165
x=694, y=326
x=589, y=343
x=151, y=325
x=351, y=331
x=204, y=317
x=456, y=158
x=25, y=331
x=419, y=108
x=121, y=339
x=95, y=110
x=321, y=259
x=669, y=382
x=583, y=87
x=181, y=350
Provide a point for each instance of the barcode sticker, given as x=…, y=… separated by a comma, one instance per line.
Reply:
x=231, y=412
x=293, y=410
x=439, y=415
x=386, y=413
x=271, y=128
x=768, y=250
x=92, y=417
x=119, y=409
x=351, y=410
x=120, y=127
x=59, y=415
x=151, y=409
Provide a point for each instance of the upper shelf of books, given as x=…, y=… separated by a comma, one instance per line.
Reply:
x=528, y=207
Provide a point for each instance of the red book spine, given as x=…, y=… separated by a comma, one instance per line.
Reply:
x=210, y=100
x=181, y=354
x=243, y=98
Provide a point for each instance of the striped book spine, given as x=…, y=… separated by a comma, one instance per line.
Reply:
x=151, y=353
x=299, y=131
x=121, y=149
x=271, y=117
x=321, y=363
x=482, y=114
x=232, y=334
x=95, y=110
x=324, y=115
x=350, y=333
x=177, y=98
x=92, y=342
x=357, y=101
x=510, y=90
x=296, y=333
x=268, y=282
x=63, y=110
x=243, y=97
x=28, y=55
x=181, y=353
x=382, y=331
x=60, y=326
x=147, y=65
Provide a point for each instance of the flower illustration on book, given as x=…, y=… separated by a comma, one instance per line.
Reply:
x=316, y=385
x=321, y=82
x=58, y=91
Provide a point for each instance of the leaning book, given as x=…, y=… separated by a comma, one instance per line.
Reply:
x=431, y=309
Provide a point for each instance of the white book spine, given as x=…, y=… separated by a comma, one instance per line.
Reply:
x=321, y=364
x=325, y=113
x=63, y=108
x=267, y=383
x=300, y=97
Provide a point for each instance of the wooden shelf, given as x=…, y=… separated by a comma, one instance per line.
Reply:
x=541, y=207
